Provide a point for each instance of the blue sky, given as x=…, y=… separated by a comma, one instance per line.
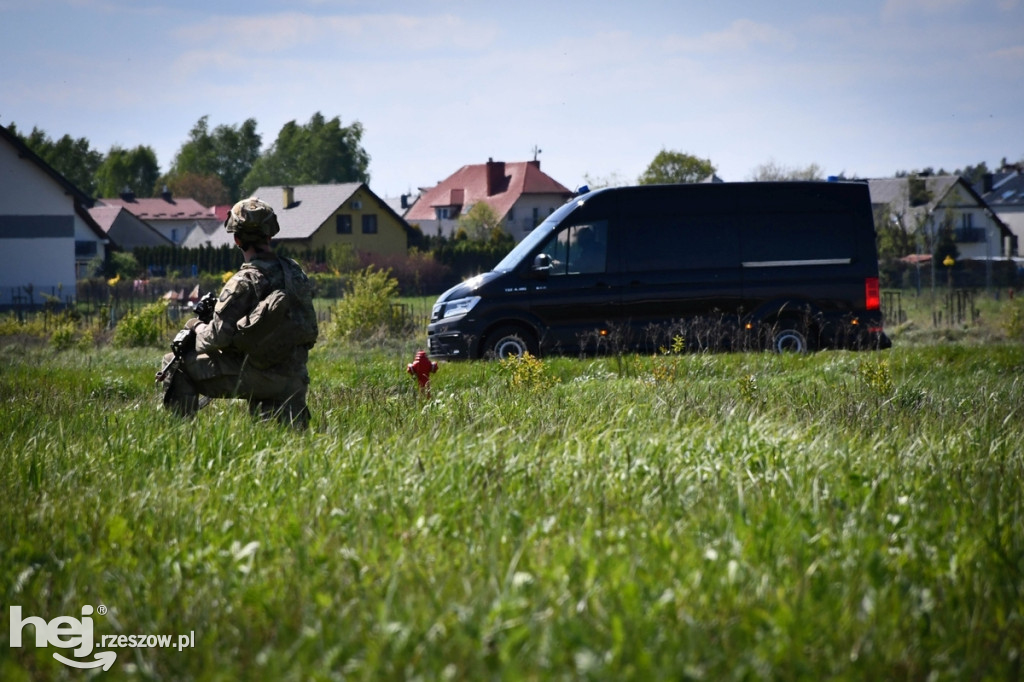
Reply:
x=863, y=88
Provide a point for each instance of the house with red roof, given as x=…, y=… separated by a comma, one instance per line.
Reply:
x=171, y=216
x=519, y=192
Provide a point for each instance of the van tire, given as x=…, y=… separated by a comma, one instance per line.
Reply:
x=508, y=341
x=789, y=336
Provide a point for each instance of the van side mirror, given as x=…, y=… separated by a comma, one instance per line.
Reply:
x=542, y=263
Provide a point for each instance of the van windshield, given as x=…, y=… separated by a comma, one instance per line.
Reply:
x=539, y=234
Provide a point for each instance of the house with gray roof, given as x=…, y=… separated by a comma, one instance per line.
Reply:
x=317, y=216
x=1004, y=194
x=929, y=204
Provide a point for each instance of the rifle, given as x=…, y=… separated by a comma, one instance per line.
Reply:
x=184, y=340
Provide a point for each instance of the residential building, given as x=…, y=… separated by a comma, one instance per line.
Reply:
x=315, y=216
x=519, y=192
x=1003, y=192
x=402, y=204
x=932, y=203
x=173, y=217
x=47, y=237
x=126, y=231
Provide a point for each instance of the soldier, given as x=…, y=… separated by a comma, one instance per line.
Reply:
x=263, y=326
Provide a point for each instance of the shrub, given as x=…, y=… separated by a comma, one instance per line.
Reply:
x=367, y=310
x=1013, y=322
x=63, y=337
x=142, y=329
x=525, y=372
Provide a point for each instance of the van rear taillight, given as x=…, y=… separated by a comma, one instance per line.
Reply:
x=872, y=299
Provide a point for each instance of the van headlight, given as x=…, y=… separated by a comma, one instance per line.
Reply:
x=459, y=306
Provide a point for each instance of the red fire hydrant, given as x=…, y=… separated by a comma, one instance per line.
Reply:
x=422, y=368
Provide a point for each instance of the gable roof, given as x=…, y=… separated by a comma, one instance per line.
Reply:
x=313, y=205
x=1007, y=193
x=164, y=207
x=24, y=152
x=126, y=229
x=497, y=183
x=895, y=192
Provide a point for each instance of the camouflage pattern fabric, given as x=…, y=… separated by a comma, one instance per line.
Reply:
x=216, y=369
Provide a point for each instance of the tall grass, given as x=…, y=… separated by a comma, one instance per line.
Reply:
x=733, y=516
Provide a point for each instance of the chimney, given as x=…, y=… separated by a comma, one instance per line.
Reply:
x=289, y=196
x=495, y=177
x=986, y=183
x=165, y=193
x=127, y=194
x=405, y=201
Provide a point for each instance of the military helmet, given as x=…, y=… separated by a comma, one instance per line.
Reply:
x=252, y=216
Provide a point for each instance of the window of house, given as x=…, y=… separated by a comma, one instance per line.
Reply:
x=443, y=212
x=370, y=224
x=966, y=220
x=85, y=249
x=343, y=223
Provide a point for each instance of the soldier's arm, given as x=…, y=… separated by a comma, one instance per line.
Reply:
x=236, y=300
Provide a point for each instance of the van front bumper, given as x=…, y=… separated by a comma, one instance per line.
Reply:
x=446, y=343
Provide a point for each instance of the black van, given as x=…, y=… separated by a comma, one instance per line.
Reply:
x=782, y=266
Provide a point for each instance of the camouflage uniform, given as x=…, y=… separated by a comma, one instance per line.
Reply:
x=218, y=370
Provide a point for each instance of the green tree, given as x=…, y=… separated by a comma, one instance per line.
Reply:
x=319, y=152
x=228, y=153
x=774, y=172
x=342, y=258
x=135, y=169
x=75, y=159
x=973, y=174
x=895, y=238
x=208, y=189
x=480, y=222
x=945, y=244
x=918, y=192
x=672, y=167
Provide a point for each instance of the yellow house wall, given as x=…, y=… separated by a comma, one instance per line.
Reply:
x=390, y=237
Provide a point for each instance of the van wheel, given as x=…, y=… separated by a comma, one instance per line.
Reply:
x=509, y=341
x=789, y=337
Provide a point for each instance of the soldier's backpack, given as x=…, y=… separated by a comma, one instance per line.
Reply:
x=281, y=321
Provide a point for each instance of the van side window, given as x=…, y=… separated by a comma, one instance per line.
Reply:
x=656, y=242
x=578, y=249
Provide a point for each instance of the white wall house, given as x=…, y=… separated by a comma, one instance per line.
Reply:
x=46, y=233
x=945, y=201
x=520, y=194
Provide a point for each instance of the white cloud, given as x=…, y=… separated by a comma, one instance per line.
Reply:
x=375, y=33
x=897, y=8
x=742, y=35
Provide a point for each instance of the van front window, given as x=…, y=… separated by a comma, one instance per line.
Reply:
x=534, y=239
x=578, y=249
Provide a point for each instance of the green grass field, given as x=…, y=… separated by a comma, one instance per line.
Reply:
x=708, y=516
